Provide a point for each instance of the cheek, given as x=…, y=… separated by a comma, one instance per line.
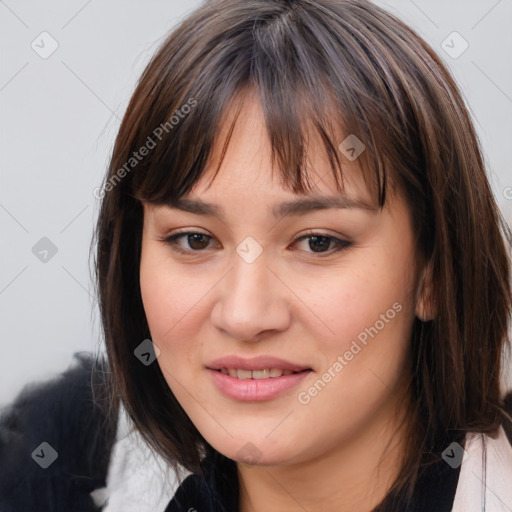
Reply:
x=167, y=297
x=365, y=357
x=360, y=302
x=367, y=354
x=168, y=305
x=160, y=305
x=174, y=304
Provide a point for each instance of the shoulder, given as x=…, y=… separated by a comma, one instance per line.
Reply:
x=55, y=441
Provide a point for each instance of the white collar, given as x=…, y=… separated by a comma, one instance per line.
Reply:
x=485, y=480
x=139, y=480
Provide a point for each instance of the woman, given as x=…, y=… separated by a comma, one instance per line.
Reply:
x=326, y=333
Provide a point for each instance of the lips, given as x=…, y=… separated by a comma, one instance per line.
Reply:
x=256, y=379
x=255, y=389
x=255, y=364
x=266, y=373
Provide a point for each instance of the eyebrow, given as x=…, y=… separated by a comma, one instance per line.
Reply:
x=280, y=210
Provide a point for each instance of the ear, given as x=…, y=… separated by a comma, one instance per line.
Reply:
x=426, y=308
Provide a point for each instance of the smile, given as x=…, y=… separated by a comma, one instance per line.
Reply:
x=255, y=385
x=267, y=373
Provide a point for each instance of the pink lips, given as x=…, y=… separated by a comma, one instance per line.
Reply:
x=255, y=389
x=255, y=363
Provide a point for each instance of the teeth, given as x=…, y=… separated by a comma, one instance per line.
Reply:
x=244, y=374
x=266, y=373
x=260, y=374
x=276, y=372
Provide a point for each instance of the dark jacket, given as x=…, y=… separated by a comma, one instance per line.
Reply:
x=64, y=414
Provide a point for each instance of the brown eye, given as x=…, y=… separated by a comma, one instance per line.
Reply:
x=195, y=241
x=319, y=243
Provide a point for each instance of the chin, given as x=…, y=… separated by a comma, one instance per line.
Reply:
x=257, y=451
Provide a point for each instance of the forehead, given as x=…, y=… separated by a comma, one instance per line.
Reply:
x=241, y=159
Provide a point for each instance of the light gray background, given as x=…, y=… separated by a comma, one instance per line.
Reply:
x=59, y=117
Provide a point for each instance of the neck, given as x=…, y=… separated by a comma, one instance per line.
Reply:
x=354, y=476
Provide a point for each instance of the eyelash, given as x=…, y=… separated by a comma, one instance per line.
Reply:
x=341, y=244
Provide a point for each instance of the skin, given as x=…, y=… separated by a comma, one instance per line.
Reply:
x=294, y=303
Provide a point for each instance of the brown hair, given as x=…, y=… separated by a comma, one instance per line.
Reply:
x=350, y=63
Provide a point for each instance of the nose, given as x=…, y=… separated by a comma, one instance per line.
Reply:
x=253, y=301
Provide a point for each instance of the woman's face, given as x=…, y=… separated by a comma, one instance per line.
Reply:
x=248, y=293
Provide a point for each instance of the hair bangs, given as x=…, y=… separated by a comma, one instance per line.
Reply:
x=302, y=105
